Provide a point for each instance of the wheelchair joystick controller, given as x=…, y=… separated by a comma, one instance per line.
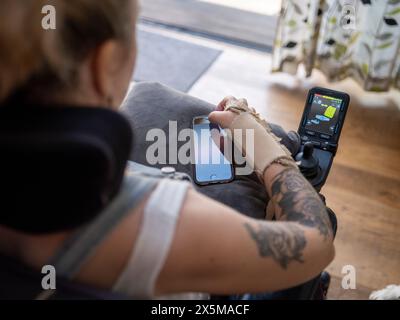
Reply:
x=308, y=164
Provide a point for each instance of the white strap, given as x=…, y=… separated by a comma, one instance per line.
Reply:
x=154, y=241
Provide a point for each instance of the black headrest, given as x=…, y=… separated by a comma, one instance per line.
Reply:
x=59, y=166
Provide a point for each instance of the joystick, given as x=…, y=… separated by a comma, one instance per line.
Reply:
x=308, y=164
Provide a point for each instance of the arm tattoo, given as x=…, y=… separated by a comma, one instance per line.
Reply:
x=283, y=243
x=299, y=202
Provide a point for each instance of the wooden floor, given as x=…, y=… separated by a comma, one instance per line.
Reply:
x=364, y=185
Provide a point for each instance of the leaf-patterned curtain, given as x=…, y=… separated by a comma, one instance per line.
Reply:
x=358, y=39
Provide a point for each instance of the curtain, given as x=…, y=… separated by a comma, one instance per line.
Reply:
x=343, y=38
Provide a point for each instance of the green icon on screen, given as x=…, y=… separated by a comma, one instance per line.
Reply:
x=330, y=112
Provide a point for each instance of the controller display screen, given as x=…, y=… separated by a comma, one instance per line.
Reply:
x=324, y=114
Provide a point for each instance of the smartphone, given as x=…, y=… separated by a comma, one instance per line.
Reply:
x=211, y=165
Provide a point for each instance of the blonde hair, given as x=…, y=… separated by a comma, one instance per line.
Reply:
x=35, y=60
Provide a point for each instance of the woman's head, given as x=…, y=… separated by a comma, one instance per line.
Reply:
x=87, y=60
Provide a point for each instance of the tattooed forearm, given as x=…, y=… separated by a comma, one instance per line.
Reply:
x=283, y=243
x=299, y=202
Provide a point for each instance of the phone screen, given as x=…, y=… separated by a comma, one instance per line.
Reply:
x=211, y=165
x=324, y=114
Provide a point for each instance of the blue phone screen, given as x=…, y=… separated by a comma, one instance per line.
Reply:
x=210, y=163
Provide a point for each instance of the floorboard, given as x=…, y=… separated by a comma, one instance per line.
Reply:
x=336, y=292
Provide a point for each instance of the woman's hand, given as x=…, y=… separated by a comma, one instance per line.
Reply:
x=222, y=117
x=251, y=134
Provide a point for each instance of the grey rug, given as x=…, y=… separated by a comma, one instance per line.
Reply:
x=175, y=63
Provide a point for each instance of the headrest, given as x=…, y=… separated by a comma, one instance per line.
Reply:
x=59, y=166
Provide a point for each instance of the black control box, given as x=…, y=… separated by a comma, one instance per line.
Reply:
x=320, y=129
